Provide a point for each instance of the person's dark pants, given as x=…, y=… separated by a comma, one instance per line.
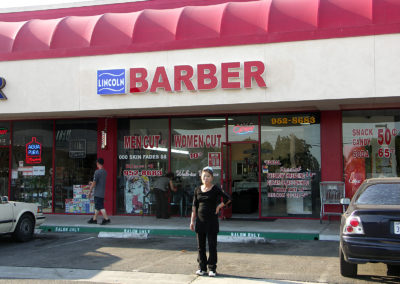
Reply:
x=161, y=203
x=212, y=249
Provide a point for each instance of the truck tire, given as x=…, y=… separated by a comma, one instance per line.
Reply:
x=393, y=269
x=347, y=269
x=25, y=228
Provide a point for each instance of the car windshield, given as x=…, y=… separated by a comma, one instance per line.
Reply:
x=380, y=194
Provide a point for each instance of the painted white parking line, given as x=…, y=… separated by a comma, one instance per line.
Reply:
x=238, y=239
x=123, y=235
x=69, y=243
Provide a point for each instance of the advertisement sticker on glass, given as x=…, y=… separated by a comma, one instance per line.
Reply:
x=39, y=170
x=77, y=148
x=214, y=160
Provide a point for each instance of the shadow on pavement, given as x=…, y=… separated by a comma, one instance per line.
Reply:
x=380, y=279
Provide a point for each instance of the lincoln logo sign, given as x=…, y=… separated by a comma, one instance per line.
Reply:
x=232, y=75
x=110, y=82
x=2, y=85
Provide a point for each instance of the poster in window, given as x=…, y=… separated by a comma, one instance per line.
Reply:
x=135, y=190
x=77, y=148
x=214, y=160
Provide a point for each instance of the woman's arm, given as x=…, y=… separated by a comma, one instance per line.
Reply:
x=193, y=218
x=226, y=200
x=194, y=209
x=226, y=197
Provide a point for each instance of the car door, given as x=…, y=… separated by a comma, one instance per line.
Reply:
x=6, y=217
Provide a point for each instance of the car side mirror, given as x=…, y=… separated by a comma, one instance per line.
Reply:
x=345, y=201
x=4, y=199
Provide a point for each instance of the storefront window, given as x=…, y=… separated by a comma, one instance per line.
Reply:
x=75, y=158
x=31, y=178
x=290, y=157
x=4, y=133
x=371, y=146
x=196, y=143
x=142, y=157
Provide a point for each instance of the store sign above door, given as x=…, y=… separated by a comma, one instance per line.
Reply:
x=2, y=85
x=110, y=82
x=203, y=77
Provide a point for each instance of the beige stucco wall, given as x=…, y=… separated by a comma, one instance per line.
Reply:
x=313, y=75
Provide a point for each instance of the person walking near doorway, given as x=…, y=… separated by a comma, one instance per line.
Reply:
x=99, y=186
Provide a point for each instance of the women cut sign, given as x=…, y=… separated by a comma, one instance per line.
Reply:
x=197, y=141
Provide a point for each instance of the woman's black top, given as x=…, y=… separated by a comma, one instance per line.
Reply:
x=205, y=204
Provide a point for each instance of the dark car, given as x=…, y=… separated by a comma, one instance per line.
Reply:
x=370, y=227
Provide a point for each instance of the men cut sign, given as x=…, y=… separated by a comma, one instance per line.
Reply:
x=2, y=85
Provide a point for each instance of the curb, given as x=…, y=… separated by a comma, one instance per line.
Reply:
x=223, y=236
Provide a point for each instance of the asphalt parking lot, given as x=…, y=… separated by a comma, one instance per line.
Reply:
x=308, y=261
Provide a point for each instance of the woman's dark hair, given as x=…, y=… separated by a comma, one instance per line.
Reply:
x=208, y=170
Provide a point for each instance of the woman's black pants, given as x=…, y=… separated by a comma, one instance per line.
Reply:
x=212, y=249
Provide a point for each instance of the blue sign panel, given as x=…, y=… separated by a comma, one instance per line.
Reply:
x=2, y=85
x=110, y=82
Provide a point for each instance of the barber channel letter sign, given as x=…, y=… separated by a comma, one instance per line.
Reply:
x=111, y=82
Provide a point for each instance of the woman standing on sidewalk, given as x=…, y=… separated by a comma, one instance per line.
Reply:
x=204, y=221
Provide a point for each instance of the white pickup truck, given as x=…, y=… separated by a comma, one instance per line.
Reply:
x=20, y=219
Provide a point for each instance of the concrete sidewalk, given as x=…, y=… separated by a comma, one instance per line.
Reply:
x=230, y=230
x=28, y=274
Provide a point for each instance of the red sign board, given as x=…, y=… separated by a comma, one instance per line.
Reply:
x=214, y=160
x=33, y=152
x=207, y=76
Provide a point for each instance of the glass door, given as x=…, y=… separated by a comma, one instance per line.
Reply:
x=240, y=178
x=4, y=165
x=245, y=180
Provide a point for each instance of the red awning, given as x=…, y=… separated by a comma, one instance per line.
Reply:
x=232, y=23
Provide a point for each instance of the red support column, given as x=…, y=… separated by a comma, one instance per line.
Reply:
x=109, y=154
x=331, y=146
x=331, y=151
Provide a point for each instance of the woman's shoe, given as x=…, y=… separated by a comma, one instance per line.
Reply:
x=200, y=272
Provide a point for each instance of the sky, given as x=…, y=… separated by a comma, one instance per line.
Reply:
x=28, y=3
x=21, y=5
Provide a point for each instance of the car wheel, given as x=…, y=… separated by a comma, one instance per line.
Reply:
x=347, y=269
x=24, y=229
x=393, y=269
